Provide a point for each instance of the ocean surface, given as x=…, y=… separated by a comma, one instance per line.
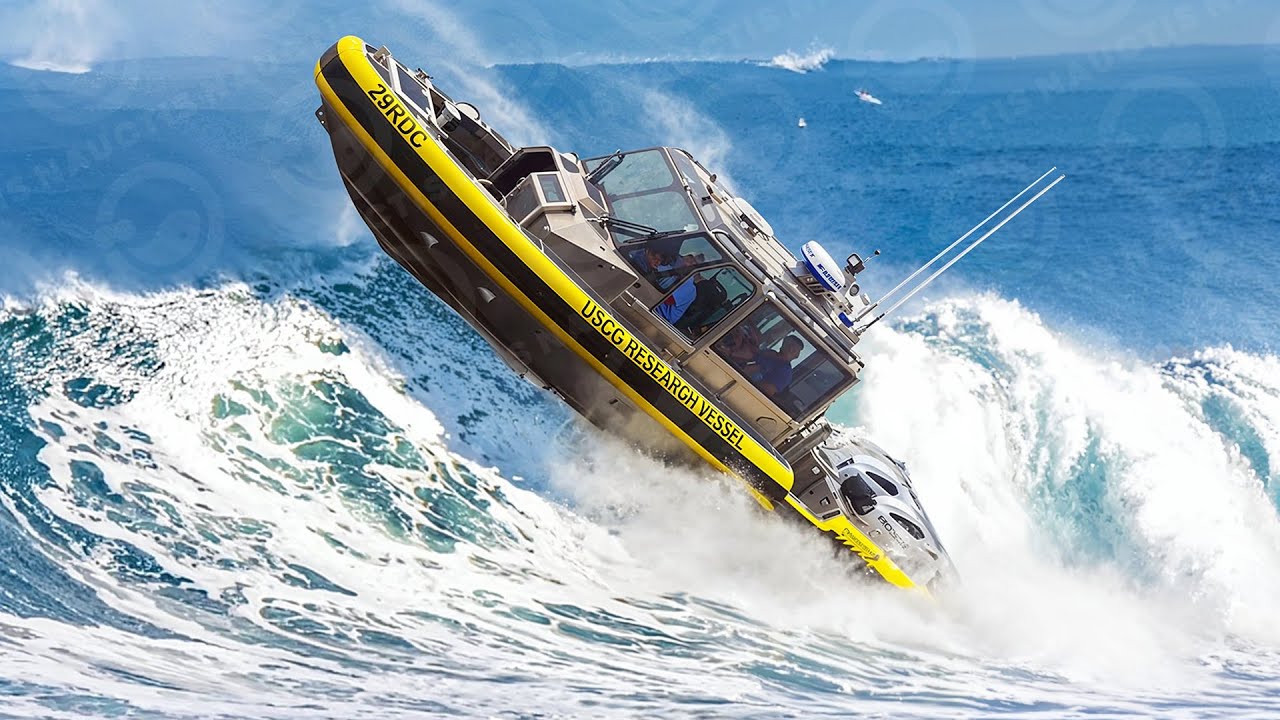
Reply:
x=250, y=468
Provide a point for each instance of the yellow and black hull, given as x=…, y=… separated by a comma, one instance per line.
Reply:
x=433, y=217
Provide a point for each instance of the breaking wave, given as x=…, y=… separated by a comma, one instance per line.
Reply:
x=814, y=59
x=1035, y=452
x=65, y=36
x=332, y=497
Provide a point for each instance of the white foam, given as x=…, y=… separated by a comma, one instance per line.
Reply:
x=210, y=344
x=33, y=63
x=813, y=59
x=1249, y=382
x=676, y=569
x=1012, y=414
x=64, y=36
x=350, y=227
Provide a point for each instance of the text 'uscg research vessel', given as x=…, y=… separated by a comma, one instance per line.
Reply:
x=653, y=301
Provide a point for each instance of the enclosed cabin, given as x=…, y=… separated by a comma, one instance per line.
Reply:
x=700, y=273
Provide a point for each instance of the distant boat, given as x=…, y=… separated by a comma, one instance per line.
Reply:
x=802, y=123
x=867, y=97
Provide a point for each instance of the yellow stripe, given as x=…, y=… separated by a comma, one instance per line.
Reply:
x=478, y=201
x=859, y=543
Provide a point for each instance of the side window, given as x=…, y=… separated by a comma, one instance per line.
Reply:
x=781, y=362
x=409, y=88
x=817, y=378
x=687, y=172
x=703, y=299
x=665, y=261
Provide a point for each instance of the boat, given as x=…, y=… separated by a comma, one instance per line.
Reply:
x=641, y=291
x=802, y=123
x=867, y=97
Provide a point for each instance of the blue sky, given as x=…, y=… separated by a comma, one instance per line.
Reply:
x=497, y=31
x=889, y=29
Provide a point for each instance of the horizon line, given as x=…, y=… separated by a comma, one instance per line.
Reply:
x=769, y=62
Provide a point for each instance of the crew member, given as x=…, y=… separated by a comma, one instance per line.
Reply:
x=656, y=261
x=770, y=370
x=673, y=307
x=742, y=345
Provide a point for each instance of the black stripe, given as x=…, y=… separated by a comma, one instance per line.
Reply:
x=560, y=312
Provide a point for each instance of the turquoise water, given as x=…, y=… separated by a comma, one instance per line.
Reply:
x=251, y=469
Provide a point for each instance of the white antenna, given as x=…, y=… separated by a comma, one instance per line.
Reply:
x=868, y=309
x=962, y=253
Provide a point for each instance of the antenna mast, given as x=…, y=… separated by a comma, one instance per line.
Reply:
x=867, y=310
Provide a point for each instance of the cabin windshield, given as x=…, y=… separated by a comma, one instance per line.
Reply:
x=782, y=362
x=643, y=189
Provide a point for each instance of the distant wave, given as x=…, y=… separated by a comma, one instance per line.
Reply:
x=71, y=68
x=815, y=59
x=64, y=36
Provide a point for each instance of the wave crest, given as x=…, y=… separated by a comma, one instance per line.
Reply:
x=814, y=59
x=1040, y=451
x=65, y=36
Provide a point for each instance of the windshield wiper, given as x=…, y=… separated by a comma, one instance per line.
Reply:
x=610, y=164
x=643, y=232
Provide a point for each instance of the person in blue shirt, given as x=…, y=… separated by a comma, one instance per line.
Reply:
x=770, y=370
x=673, y=307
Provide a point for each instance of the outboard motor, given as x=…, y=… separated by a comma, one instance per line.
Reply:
x=875, y=492
x=847, y=475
